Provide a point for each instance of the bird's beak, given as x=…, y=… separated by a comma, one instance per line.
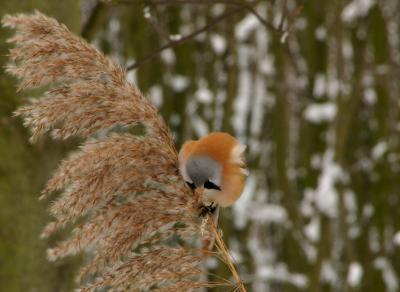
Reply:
x=199, y=191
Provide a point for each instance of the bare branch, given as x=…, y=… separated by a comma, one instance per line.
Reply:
x=244, y=4
x=240, y=6
x=284, y=14
x=160, y=29
x=291, y=21
x=174, y=43
x=88, y=27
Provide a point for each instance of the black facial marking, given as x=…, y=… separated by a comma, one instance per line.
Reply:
x=191, y=185
x=210, y=185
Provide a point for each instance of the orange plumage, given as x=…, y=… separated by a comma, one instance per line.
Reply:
x=218, y=159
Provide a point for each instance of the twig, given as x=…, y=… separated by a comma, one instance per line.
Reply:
x=246, y=5
x=183, y=39
x=154, y=23
x=239, y=4
x=284, y=13
x=291, y=22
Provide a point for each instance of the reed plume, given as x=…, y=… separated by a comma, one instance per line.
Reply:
x=122, y=193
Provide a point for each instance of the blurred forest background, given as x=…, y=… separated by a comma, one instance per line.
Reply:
x=311, y=87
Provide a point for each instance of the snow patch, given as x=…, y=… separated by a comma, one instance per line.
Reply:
x=242, y=101
x=175, y=37
x=114, y=25
x=316, y=161
x=355, y=273
x=211, y=263
x=234, y=250
x=379, y=150
x=306, y=206
x=199, y=126
x=370, y=96
x=218, y=43
x=318, y=113
x=245, y=26
x=350, y=201
x=320, y=33
x=319, y=85
x=325, y=194
x=347, y=49
x=332, y=88
x=260, y=95
x=203, y=94
x=328, y=273
x=179, y=83
x=396, y=238
x=368, y=211
x=168, y=57
x=131, y=75
x=356, y=9
x=280, y=273
x=241, y=207
x=156, y=95
x=267, y=213
x=312, y=230
x=388, y=274
x=266, y=65
x=146, y=12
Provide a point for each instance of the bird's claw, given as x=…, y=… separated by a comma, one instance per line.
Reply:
x=210, y=209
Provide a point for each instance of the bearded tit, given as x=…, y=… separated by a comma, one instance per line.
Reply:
x=214, y=164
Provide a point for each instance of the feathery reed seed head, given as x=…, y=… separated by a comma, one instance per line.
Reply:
x=139, y=220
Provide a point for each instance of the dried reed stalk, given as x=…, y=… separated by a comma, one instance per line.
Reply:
x=130, y=209
x=224, y=255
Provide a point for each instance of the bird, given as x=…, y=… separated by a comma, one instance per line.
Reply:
x=214, y=164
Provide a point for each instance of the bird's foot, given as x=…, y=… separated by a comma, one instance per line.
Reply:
x=210, y=209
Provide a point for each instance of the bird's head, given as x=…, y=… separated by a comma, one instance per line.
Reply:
x=203, y=171
x=212, y=162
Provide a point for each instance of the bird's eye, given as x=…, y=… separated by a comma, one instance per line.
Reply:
x=191, y=185
x=210, y=185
